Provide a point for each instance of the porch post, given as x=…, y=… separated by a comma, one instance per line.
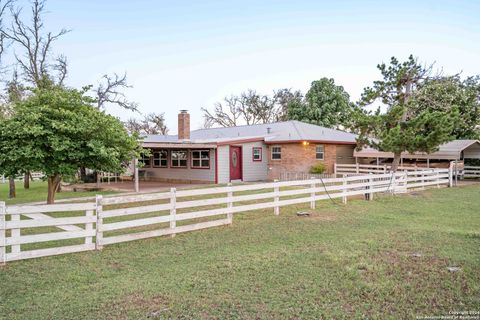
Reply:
x=135, y=174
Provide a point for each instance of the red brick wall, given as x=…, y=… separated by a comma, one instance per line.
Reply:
x=183, y=125
x=297, y=157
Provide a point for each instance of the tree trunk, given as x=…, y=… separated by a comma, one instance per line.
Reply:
x=26, y=180
x=12, y=193
x=396, y=161
x=83, y=174
x=53, y=182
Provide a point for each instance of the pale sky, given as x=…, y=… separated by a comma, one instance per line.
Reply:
x=189, y=54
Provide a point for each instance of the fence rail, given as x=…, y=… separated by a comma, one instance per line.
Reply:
x=293, y=176
x=471, y=172
x=372, y=168
x=28, y=232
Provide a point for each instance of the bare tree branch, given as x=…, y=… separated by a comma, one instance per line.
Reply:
x=110, y=91
x=250, y=108
x=151, y=123
x=34, y=46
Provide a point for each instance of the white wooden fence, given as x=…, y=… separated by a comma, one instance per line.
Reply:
x=108, y=220
x=471, y=172
x=33, y=175
x=372, y=168
x=297, y=175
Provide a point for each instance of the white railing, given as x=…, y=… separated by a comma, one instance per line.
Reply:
x=297, y=175
x=372, y=168
x=471, y=172
x=33, y=175
x=125, y=218
x=22, y=245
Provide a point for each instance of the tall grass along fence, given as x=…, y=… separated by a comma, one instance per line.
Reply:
x=44, y=230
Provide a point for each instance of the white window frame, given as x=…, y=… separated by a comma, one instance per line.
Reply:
x=142, y=161
x=193, y=158
x=279, y=153
x=320, y=152
x=259, y=154
x=160, y=159
x=179, y=159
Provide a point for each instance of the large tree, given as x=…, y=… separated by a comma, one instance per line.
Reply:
x=57, y=131
x=31, y=46
x=251, y=108
x=448, y=94
x=325, y=104
x=152, y=123
x=404, y=126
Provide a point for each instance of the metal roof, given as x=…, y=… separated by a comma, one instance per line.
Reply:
x=270, y=133
x=449, y=151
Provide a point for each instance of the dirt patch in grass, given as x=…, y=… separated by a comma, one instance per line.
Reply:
x=318, y=215
x=154, y=307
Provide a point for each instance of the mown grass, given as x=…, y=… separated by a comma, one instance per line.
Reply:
x=38, y=193
x=386, y=258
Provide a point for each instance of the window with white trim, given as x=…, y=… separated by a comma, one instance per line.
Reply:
x=145, y=161
x=276, y=153
x=257, y=154
x=201, y=159
x=179, y=159
x=160, y=159
x=319, y=152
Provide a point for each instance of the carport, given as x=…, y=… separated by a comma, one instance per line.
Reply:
x=454, y=151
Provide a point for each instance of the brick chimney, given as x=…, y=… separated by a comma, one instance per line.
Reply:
x=183, y=125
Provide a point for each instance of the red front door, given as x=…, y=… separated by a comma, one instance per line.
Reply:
x=235, y=163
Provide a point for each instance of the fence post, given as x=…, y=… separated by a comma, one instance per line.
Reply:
x=450, y=176
x=276, y=199
x=173, y=210
x=2, y=234
x=405, y=180
x=229, y=203
x=99, y=226
x=312, y=194
x=370, y=187
x=344, y=190
x=335, y=168
x=89, y=227
x=358, y=169
x=437, y=179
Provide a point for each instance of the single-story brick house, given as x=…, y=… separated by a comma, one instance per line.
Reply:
x=243, y=153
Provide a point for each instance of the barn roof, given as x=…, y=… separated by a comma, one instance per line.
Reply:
x=449, y=151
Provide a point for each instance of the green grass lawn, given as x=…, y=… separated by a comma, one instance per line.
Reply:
x=38, y=192
x=382, y=259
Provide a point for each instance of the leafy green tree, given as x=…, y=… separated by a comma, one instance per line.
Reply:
x=325, y=104
x=58, y=130
x=405, y=126
x=451, y=93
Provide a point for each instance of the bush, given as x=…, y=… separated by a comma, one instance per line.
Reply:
x=318, y=168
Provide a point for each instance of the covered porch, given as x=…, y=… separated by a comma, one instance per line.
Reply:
x=177, y=164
